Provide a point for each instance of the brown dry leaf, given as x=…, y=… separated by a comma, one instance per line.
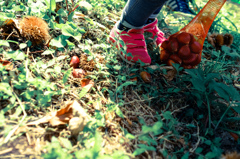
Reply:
x=73, y=114
x=7, y=64
x=80, y=119
x=45, y=119
x=129, y=121
x=59, y=117
x=65, y=110
x=134, y=78
x=76, y=125
x=80, y=15
x=232, y=155
x=170, y=74
x=9, y=22
x=8, y=25
x=235, y=136
x=21, y=129
x=87, y=83
x=60, y=120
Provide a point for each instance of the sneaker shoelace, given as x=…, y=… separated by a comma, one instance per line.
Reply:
x=134, y=39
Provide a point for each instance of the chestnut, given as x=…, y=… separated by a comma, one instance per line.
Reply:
x=195, y=47
x=78, y=73
x=192, y=58
x=164, y=55
x=175, y=58
x=74, y=62
x=183, y=38
x=165, y=44
x=184, y=52
x=146, y=76
x=172, y=46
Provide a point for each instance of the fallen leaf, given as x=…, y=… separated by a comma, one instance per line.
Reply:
x=72, y=114
x=80, y=119
x=9, y=22
x=65, y=110
x=43, y=120
x=170, y=74
x=133, y=78
x=77, y=109
x=9, y=25
x=85, y=82
x=231, y=155
x=79, y=15
x=129, y=121
x=60, y=120
x=8, y=65
x=76, y=125
x=235, y=136
x=56, y=118
x=86, y=86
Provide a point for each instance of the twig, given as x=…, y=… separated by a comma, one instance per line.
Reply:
x=34, y=52
x=15, y=27
x=75, y=96
x=67, y=5
x=75, y=8
x=6, y=151
x=142, y=100
x=28, y=139
x=14, y=129
x=26, y=64
x=209, y=112
x=15, y=156
x=177, y=110
x=154, y=67
x=9, y=35
x=196, y=145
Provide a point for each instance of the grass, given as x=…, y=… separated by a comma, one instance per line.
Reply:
x=191, y=114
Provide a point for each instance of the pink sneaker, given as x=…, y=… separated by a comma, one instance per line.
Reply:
x=153, y=28
x=135, y=43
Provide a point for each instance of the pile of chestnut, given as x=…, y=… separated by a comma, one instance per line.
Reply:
x=181, y=48
x=77, y=72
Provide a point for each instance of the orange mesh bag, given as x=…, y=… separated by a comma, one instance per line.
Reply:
x=185, y=46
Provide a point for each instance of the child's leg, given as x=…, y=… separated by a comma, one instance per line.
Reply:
x=153, y=16
x=137, y=12
x=131, y=28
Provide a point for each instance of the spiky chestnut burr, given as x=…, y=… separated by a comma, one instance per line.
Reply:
x=34, y=29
